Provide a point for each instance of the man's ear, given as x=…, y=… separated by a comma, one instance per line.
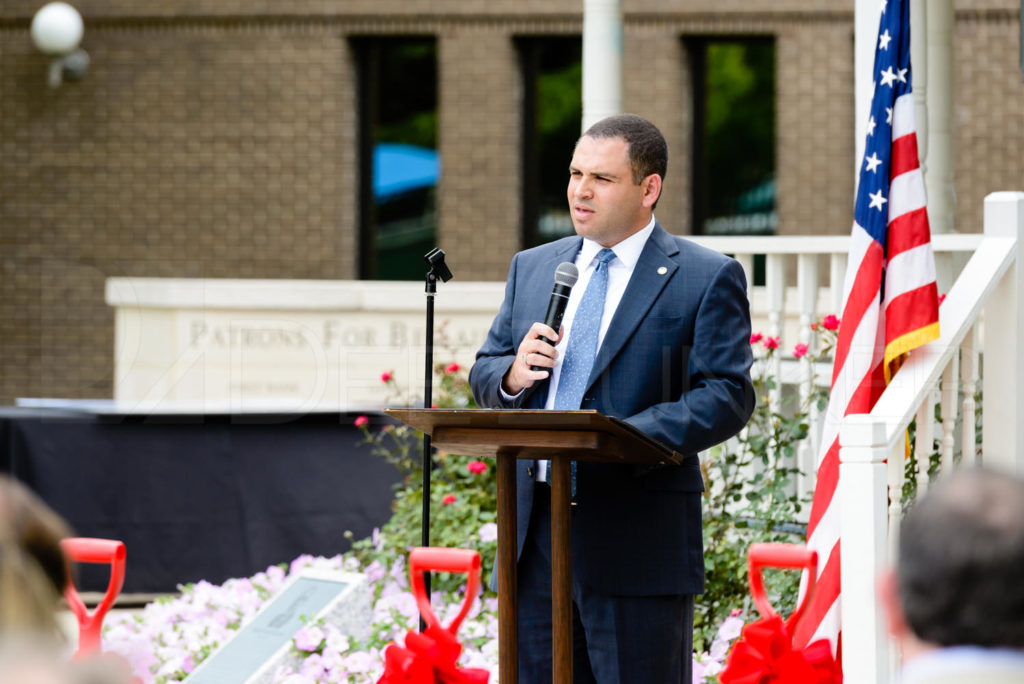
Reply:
x=889, y=598
x=652, y=189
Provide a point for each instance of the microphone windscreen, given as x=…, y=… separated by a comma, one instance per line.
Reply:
x=566, y=274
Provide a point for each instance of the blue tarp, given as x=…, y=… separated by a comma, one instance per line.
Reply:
x=399, y=168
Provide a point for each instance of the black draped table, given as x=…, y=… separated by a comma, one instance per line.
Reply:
x=200, y=496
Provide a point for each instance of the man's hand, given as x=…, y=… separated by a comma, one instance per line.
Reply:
x=532, y=351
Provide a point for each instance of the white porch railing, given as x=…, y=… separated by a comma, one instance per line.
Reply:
x=945, y=372
x=803, y=281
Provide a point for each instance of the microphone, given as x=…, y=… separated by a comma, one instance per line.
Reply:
x=565, y=277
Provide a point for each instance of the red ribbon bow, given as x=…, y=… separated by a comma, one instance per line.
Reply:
x=428, y=658
x=764, y=654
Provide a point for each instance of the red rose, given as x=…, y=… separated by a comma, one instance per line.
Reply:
x=830, y=322
x=800, y=350
x=453, y=368
x=755, y=338
x=771, y=343
x=450, y=499
x=476, y=467
x=362, y=421
x=386, y=376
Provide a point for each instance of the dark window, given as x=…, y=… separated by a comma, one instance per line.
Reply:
x=734, y=136
x=552, y=115
x=399, y=164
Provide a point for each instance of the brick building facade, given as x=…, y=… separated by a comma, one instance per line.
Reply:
x=218, y=138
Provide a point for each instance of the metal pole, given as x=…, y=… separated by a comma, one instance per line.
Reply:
x=428, y=387
x=602, y=60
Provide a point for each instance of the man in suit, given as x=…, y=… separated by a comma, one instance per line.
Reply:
x=955, y=602
x=656, y=333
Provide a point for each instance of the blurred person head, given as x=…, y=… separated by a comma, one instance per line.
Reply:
x=33, y=571
x=957, y=579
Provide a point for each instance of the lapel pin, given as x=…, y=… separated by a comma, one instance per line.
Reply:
x=662, y=270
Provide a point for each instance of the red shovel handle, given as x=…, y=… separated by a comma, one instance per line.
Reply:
x=780, y=556
x=430, y=559
x=86, y=550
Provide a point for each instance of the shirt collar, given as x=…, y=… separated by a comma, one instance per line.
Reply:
x=627, y=252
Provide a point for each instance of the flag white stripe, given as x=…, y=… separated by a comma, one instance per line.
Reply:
x=908, y=271
x=906, y=193
x=903, y=116
x=826, y=534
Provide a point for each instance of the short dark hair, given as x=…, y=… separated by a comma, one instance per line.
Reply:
x=961, y=552
x=648, y=151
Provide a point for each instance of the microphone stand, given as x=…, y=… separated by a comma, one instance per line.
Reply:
x=438, y=269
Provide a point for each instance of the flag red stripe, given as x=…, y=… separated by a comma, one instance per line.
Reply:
x=907, y=231
x=911, y=311
x=825, y=592
x=904, y=155
x=862, y=295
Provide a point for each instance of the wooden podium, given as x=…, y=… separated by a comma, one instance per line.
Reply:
x=561, y=437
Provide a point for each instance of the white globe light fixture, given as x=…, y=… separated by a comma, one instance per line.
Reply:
x=57, y=30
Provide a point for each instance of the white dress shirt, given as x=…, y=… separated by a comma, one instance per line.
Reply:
x=620, y=270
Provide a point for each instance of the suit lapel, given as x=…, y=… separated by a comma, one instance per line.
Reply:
x=643, y=290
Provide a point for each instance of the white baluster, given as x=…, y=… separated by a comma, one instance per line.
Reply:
x=896, y=468
x=923, y=441
x=969, y=377
x=948, y=406
x=807, y=286
x=836, y=274
x=775, y=283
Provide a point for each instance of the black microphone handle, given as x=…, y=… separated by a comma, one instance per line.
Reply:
x=553, y=317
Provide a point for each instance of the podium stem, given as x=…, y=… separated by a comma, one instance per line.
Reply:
x=561, y=569
x=508, y=635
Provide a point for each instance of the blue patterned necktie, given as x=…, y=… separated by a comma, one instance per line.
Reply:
x=582, y=346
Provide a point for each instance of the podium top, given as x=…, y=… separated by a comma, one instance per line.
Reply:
x=584, y=435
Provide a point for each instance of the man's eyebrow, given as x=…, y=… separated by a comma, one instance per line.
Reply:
x=603, y=174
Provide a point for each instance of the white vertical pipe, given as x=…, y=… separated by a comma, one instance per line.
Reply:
x=939, y=177
x=602, y=60
x=866, y=16
x=919, y=76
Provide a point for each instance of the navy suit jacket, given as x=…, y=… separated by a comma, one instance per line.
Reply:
x=674, y=363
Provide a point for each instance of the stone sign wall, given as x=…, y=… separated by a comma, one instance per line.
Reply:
x=296, y=346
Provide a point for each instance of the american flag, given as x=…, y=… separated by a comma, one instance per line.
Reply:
x=890, y=298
